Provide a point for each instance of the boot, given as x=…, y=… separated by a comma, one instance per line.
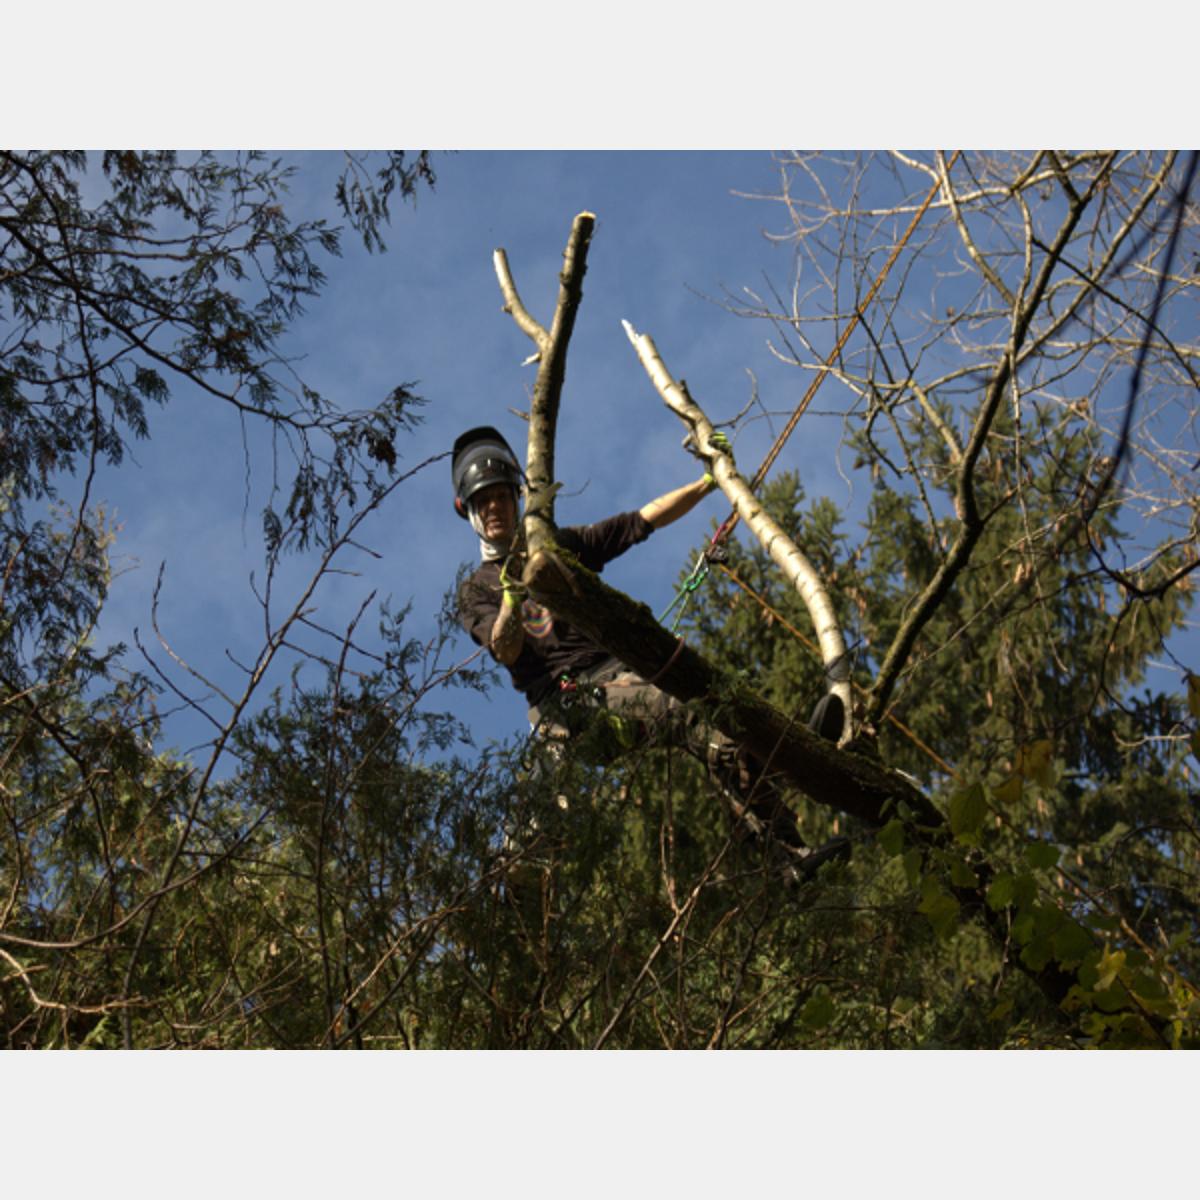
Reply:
x=828, y=718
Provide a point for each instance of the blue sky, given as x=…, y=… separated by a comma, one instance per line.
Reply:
x=671, y=231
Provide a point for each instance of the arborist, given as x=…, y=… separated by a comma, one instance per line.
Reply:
x=564, y=675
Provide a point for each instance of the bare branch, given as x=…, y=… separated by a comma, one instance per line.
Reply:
x=514, y=306
x=971, y=522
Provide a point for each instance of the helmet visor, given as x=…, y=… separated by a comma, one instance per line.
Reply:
x=482, y=466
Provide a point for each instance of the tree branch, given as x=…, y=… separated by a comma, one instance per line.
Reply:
x=547, y=388
x=786, y=555
x=847, y=782
x=971, y=523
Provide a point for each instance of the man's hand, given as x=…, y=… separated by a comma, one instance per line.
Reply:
x=512, y=571
x=721, y=443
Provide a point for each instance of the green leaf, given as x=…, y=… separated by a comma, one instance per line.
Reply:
x=1024, y=890
x=967, y=811
x=1036, y=762
x=941, y=909
x=1041, y=855
x=1118, y=831
x=1037, y=953
x=1149, y=986
x=818, y=1010
x=1130, y=1032
x=1072, y=943
x=1009, y=792
x=912, y=866
x=1112, y=999
x=961, y=875
x=1002, y=1011
x=891, y=838
x=1193, y=701
x=1000, y=893
x=1108, y=968
x=1022, y=927
x=1047, y=920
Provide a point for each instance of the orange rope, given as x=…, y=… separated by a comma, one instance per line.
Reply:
x=773, y=453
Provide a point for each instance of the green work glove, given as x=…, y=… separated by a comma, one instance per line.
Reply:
x=718, y=442
x=514, y=590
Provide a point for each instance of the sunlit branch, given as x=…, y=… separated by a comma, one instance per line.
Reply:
x=786, y=555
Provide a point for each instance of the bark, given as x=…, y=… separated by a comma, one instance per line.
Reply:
x=854, y=783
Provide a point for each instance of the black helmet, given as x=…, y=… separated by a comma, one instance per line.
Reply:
x=481, y=457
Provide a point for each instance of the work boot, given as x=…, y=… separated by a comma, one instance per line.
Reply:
x=828, y=718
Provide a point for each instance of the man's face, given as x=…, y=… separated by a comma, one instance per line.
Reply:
x=497, y=509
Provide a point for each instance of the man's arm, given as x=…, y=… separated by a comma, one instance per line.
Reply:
x=676, y=504
x=496, y=627
x=508, y=633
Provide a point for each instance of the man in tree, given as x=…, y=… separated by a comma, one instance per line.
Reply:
x=565, y=676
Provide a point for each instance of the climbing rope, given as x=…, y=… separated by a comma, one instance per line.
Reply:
x=687, y=589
